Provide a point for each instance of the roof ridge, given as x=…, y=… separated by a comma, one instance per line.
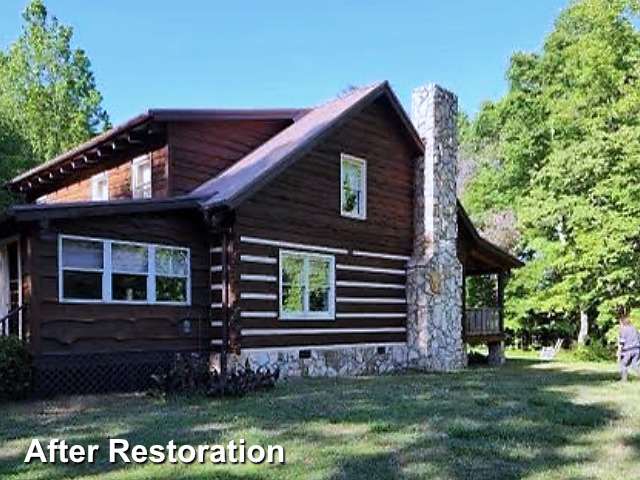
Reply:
x=348, y=91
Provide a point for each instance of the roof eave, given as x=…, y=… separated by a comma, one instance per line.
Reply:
x=82, y=148
x=505, y=257
x=35, y=212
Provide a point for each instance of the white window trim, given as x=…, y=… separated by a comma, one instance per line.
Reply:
x=344, y=157
x=95, y=181
x=107, y=273
x=306, y=314
x=135, y=179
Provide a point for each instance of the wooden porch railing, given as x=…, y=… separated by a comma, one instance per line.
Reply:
x=481, y=321
x=4, y=322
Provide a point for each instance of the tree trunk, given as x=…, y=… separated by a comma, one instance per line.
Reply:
x=584, y=327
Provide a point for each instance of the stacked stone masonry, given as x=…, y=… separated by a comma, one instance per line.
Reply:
x=434, y=280
x=327, y=362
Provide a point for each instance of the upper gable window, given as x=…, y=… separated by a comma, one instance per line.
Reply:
x=141, y=177
x=353, y=187
x=100, y=187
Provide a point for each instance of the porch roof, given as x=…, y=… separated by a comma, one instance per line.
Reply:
x=478, y=255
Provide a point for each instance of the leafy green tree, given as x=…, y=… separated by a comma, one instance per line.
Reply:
x=47, y=88
x=15, y=156
x=562, y=149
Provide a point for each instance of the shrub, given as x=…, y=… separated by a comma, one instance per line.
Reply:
x=186, y=374
x=191, y=374
x=594, y=351
x=242, y=382
x=14, y=368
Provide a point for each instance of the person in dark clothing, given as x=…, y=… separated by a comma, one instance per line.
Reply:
x=628, y=347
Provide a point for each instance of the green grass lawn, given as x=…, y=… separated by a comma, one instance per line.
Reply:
x=526, y=420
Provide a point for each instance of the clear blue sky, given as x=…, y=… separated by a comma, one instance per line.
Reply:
x=240, y=53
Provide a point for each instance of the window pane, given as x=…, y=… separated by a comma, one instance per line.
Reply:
x=351, y=187
x=129, y=258
x=100, y=188
x=171, y=289
x=81, y=253
x=142, y=176
x=292, y=283
x=82, y=285
x=171, y=261
x=129, y=287
x=145, y=173
x=319, y=284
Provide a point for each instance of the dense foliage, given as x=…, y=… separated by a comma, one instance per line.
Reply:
x=49, y=101
x=555, y=168
x=14, y=368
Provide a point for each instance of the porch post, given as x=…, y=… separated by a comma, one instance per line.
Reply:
x=496, y=349
x=5, y=290
x=464, y=304
x=501, y=299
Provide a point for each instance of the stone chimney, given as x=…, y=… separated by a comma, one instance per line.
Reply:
x=434, y=281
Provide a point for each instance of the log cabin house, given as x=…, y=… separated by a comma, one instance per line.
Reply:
x=327, y=241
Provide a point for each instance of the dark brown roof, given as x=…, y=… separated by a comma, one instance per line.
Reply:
x=256, y=169
x=51, y=211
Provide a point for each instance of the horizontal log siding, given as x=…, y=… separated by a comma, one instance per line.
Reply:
x=91, y=327
x=119, y=181
x=303, y=206
x=201, y=150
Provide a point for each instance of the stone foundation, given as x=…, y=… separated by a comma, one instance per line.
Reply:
x=326, y=361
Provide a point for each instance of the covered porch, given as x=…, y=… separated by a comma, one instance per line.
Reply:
x=487, y=266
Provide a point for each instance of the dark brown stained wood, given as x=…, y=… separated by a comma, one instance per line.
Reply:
x=302, y=205
x=308, y=210
x=201, y=150
x=326, y=339
x=119, y=179
x=369, y=322
x=107, y=326
x=249, y=248
x=355, y=276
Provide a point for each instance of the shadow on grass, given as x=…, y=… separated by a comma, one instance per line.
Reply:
x=483, y=423
x=634, y=442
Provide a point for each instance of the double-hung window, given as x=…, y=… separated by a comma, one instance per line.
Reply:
x=353, y=187
x=172, y=274
x=307, y=286
x=141, y=178
x=114, y=271
x=81, y=268
x=100, y=187
x=130, y=272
